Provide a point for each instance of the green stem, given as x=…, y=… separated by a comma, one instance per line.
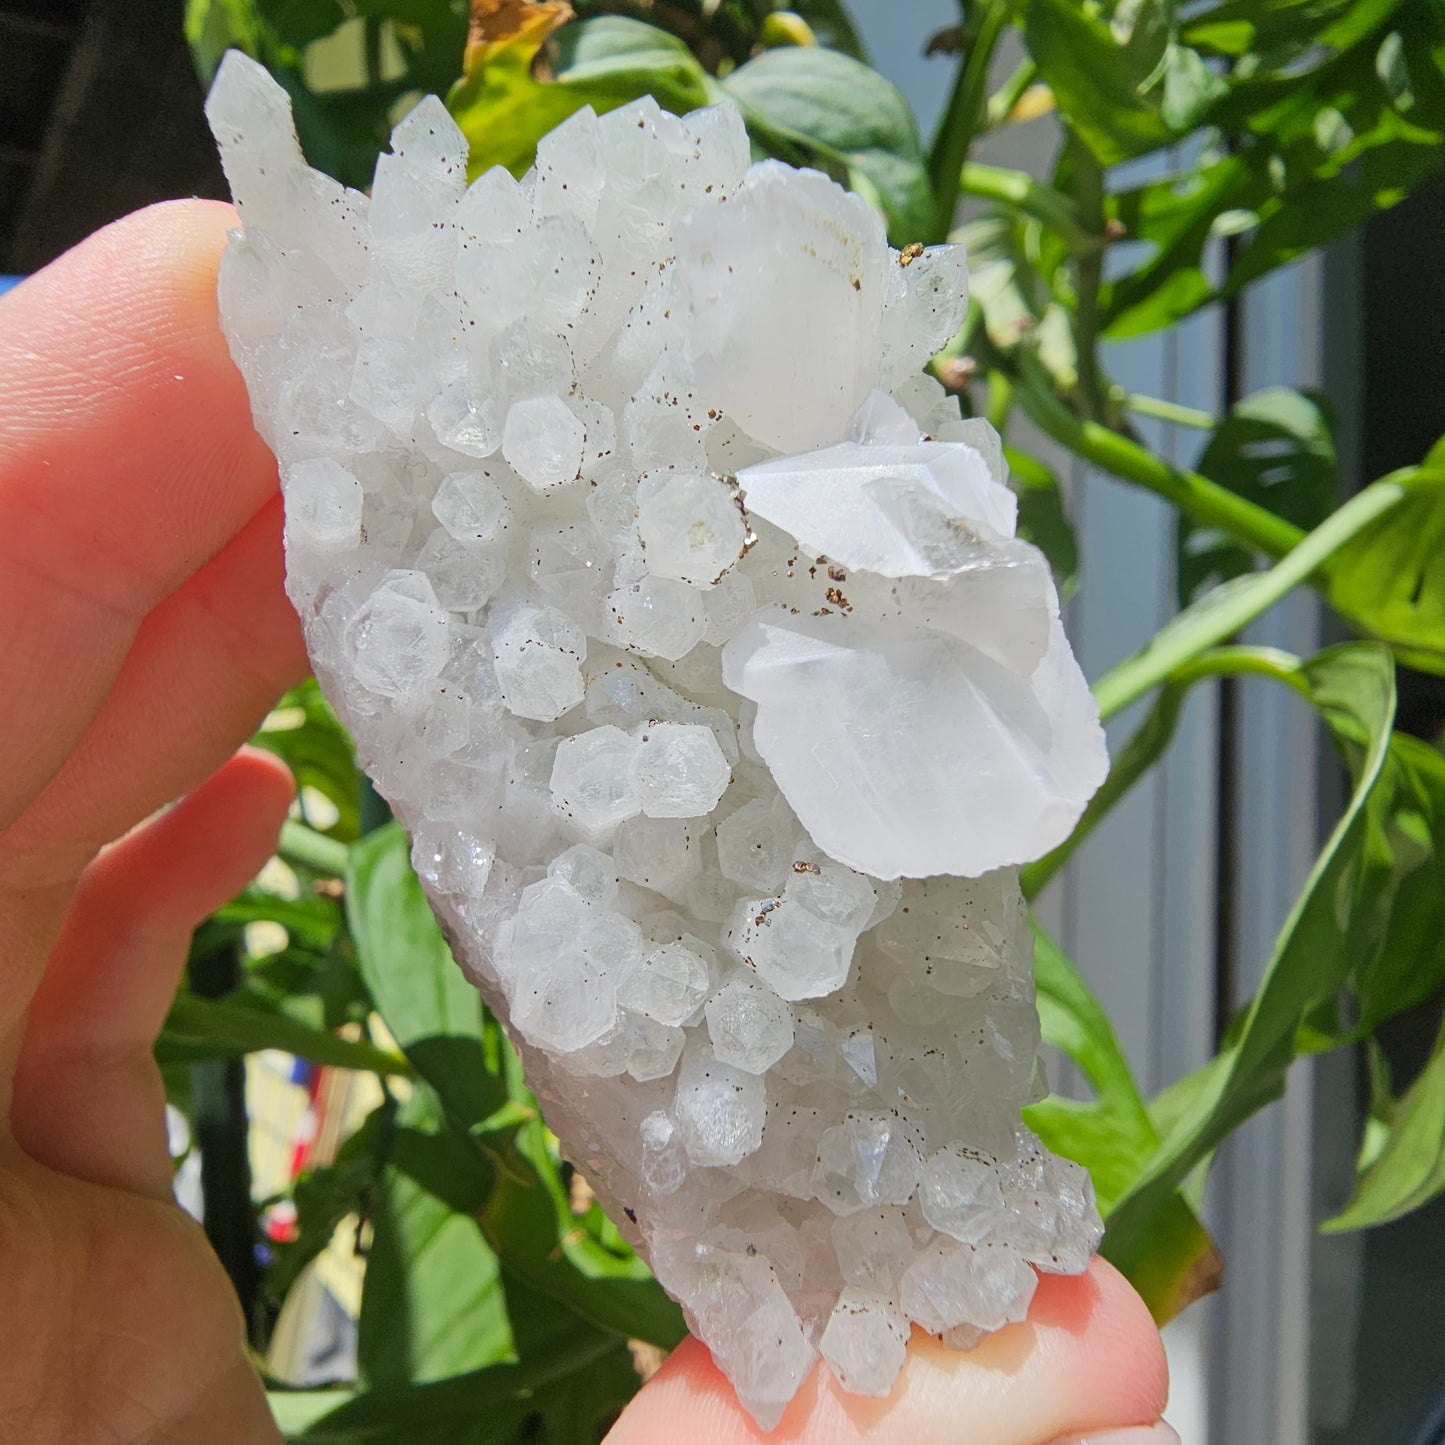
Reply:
x=1033, y=198
x=1088, y=189
x=963, y=117
x=305, y=846
x=1000, y=400
x=1147, y=745
x=371, y=47
x=1199, y=498
x=1228, y=609
x=1002, y=101
x=1270, y=662
x=1161, y=410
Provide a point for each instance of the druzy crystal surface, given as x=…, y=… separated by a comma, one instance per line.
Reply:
x=681, y=618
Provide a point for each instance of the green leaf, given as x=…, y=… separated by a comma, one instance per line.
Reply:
x=430, y=1007
x=1279, y=33
x=1190, y=88
x=1219, y=614
x=228, y=1028
x=444, y=16
x=432, y=1304
x=504, y=110
x=311, y=920
x=814, y=105
x=1409, y=1170
x=580, y=1384
x=1005, y=292
x=1405, y=853
x=1352, y=687
x=1398, y=914
x=1113, y=1135
x=325, y=1195
x=831, y=23
x=613, y=55
x=321, y=991
x=530, y=1224
x=1276, y=447
x=299, y=22
x=1074, y=1022
x=1043, y=519
x=310, y=975
x=1382, y=1106
x=215, y=26
x=1390, y=580
x=1122, y=84
x=1312, y=151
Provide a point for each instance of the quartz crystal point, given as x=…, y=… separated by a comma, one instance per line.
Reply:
x=681, y=618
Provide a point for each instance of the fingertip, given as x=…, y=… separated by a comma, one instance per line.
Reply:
x=690, y=1399
x=1127, y=1321
x=142, y=283
x=175, y=246
x=252, y=791
x=1098, y=1331
x=176, y=237
x=1088, y=1358
x=265, y=775
x=239, y=809
x=182, y=864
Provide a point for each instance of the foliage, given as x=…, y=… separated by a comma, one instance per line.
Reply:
x=1273, y=129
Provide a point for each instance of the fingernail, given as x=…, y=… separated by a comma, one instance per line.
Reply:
x=1160, y=1434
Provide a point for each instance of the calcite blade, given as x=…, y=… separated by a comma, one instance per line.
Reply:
x=681, y=620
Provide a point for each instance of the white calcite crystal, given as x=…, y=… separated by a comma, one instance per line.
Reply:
x=681, y=619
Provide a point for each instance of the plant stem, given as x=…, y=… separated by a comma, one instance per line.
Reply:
x=1088, y=191
x=1202, y=500
x=962, y=119
x=1270, y=662
x=1170, y=411
x=305, y=846
x=1000, y=400
x=1033, y=198
x=371, y=45
x=1225, y=611
x=221, y=1123
x=1144, y=749
x=1002, y=101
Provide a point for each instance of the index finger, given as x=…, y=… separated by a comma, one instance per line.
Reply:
x=127, y=461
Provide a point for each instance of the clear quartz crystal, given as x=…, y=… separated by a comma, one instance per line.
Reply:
x=865, y=1340
x=678, y=770
x=719, y=697
x=748, y=1025
x=671, y=986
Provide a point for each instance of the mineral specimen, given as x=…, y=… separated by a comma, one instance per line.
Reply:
x=681, y=618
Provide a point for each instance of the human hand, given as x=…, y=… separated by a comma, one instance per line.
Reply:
x=144, y=633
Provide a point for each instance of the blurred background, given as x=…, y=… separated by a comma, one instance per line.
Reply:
x=1170, y=905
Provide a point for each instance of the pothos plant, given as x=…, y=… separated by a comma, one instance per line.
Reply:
x=498, y=1303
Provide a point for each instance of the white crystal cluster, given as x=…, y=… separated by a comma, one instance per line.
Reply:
x=681, y=618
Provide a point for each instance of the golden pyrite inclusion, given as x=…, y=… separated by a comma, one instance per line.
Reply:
x=680, y=617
